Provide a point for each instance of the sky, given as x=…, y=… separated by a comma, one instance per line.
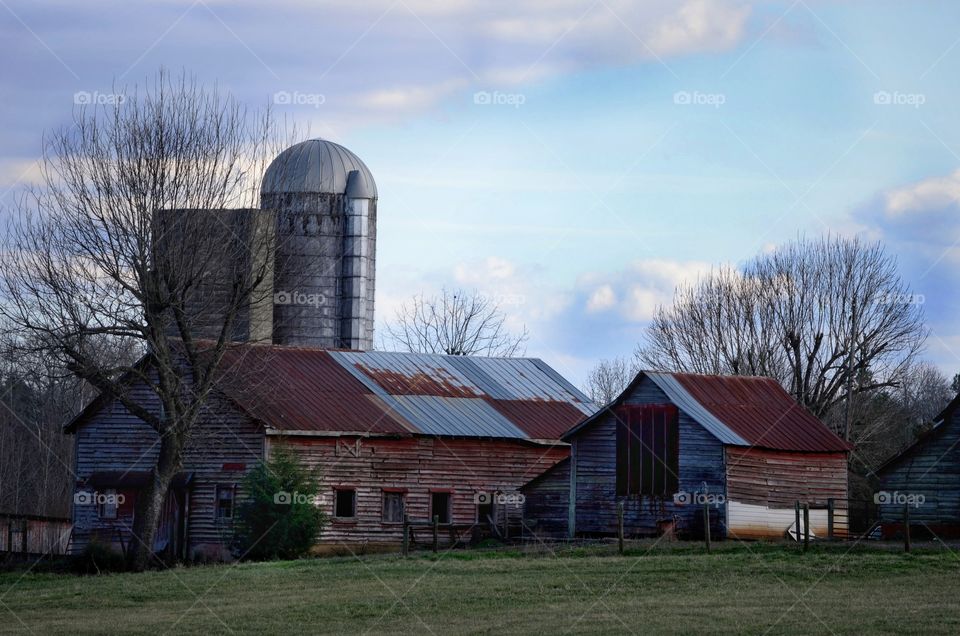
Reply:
x=575, y=160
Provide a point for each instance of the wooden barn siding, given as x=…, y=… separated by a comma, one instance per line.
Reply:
x=931, y=469
x=418, y=465
x=547, y=503
x=115, y=440
x=700, y=462
x=777, y=480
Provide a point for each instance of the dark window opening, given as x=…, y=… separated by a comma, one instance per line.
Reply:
x=224, y=509
x=393, y=507
x=485, y=513
x=345, y=503
x=107, y=504
x=648, y=444
x=440, y=506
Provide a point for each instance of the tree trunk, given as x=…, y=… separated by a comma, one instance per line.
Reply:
x=149, y=504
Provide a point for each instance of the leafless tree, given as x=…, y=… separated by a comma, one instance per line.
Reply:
x=608, y=378
x=98, y=253
x=828, y=318
x=456, y=323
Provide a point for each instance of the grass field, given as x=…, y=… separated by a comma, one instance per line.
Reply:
x=738, y=588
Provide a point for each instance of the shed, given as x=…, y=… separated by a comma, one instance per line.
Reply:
x=671, y=442
x=926, y=477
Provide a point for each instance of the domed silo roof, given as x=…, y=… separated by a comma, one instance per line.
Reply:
x=317, y=166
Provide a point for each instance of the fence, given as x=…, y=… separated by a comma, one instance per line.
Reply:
x=34, y=535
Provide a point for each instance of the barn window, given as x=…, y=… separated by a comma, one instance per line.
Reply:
x=647, y=449
x=393, y=507
x=440, y=506
x=224, y=504
x=345, y=503
x=107, y=504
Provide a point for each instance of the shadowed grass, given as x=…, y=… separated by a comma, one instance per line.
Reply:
x=675, y=588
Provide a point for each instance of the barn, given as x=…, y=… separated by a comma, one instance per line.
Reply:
x=395, y=435
x=925, y=477
x=672, y=442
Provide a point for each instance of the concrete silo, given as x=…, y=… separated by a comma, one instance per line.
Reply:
x=325, y=201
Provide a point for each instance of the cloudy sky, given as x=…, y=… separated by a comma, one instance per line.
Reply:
x=576, y=159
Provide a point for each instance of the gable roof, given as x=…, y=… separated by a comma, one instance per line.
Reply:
x=739, y=411
x=303, y=390
x=940, y=424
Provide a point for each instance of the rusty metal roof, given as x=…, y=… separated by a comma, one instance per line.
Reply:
x=759, y=411
x=743, y=411
x=300, y=389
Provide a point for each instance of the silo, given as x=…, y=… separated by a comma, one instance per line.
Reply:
x=325, y=201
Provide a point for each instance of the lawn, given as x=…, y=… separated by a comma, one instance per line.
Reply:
x=750, y=588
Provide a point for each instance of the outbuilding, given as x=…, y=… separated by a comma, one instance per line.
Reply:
x=672, y=442
x=925, y=478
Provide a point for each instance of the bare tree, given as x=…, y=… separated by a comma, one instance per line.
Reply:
x=608, y=378
x=98, y=253
x=455, y=323
x=828, y=318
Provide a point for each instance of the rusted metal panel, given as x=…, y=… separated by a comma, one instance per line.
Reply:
x=403, y=393
x=758, y=411
x=303, y=389
x=540, y=419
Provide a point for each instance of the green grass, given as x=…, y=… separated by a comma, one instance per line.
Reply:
x=752, y=588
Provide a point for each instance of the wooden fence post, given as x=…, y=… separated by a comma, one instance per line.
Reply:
x=906, y=527
x=806, y=526
x=436, y=533
x=406, y=536
x=796, y=510
x=620, y=527
x=706, y=524
x=830, y=507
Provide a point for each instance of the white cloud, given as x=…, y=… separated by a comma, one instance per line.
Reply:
x=634, y=293
x=921, y=197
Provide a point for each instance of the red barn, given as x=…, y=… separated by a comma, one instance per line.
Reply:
x=394, y=434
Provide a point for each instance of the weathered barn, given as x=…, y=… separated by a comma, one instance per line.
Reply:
x=926, y=478
x=672, y=441
x=395, y=434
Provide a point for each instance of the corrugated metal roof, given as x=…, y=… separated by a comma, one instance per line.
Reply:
x=670, y=385
x=741, y=411
x=761, y=412
x=318, y=165
x=303, y=390
x=300, y=389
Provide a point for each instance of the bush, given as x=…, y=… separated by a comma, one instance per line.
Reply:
x=98, y=558
x=278, y=517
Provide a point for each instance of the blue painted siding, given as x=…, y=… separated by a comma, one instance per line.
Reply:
x=931, y=469
x=701, y=464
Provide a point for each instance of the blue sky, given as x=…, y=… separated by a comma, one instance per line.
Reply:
x=627, y=146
